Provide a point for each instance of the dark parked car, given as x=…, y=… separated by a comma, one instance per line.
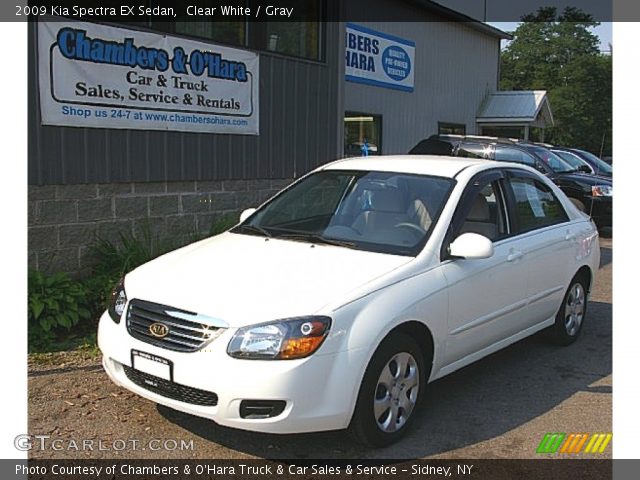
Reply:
x=597, y=165
x=593, y=194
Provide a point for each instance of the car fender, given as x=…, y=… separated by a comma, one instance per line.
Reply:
x=365, y=323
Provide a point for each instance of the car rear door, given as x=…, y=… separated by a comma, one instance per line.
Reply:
x=546, y=240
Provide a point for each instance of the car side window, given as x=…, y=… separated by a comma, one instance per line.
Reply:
x=536, y=205
x=472, y=150
x=507, y=154
x=486, y=215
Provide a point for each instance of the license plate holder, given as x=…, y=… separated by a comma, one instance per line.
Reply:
x=152, y=365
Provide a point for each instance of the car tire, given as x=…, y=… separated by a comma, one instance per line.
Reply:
x=389, y=394
x=572, y=312
x=579, y=205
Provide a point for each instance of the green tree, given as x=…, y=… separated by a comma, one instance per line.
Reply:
x=559, y=53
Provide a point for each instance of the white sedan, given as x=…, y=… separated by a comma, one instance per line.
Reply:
x=339, y=300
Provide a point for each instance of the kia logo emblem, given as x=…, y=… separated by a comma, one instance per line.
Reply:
x=159, y=330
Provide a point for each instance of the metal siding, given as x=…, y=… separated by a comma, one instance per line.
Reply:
x=298, y=102
x=455, y=69
x=523, y=104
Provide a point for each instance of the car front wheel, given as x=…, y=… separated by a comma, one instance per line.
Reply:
x=391, y=389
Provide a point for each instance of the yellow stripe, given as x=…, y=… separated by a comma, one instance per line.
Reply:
x=593, y=439
x=594, y=449
x=605, y=443
x=581, y=443
x=566, y=443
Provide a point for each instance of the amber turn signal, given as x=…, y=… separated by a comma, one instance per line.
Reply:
x=300, y=347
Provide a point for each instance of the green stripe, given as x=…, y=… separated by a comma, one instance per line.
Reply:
x=542, y=448
x=556, y=445
x=550, y=443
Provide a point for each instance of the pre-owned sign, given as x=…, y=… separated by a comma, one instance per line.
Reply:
x=106, y=77
x=376, y=58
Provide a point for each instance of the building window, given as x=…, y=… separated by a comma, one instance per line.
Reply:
x=232, y=33
x=298, y=39
x=445, y=128
x=362, y=134
x=302, y=39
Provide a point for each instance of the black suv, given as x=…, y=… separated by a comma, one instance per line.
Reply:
x=592, y=194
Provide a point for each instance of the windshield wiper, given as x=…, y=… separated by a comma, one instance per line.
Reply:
x=254, y=229
x=316, y=238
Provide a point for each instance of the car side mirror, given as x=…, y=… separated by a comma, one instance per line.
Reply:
x=471, y=246
x=585, y=169
x=246, y=214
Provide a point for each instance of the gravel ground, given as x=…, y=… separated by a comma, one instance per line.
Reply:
x=500, y=407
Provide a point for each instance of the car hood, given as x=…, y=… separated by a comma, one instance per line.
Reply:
x=245, y=279
x=584, y=178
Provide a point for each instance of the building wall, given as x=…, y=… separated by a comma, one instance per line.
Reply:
x=65, y=220
x=87, y=183
x=455, y=68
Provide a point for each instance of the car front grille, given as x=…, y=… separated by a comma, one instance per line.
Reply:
x=169, y=389
x=179, y=330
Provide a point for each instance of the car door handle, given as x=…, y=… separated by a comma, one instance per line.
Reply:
x=513, y=256
x=570, y=237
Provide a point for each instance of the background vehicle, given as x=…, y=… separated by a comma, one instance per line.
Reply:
x=592, y=194
x=597, y=165
x=335, y=303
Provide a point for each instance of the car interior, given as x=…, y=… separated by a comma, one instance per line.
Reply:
x=394, y=212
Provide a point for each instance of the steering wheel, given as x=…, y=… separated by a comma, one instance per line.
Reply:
x=413, y=227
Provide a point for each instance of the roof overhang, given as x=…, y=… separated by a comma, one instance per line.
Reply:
x=452, y=15
x=516, y=108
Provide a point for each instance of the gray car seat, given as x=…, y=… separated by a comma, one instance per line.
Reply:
x=479, y=219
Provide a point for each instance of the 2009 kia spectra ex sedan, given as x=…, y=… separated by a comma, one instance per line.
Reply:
x=335, y=303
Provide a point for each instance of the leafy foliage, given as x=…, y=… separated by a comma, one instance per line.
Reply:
x=113, y=259
x=55, y=302
x=559, y=53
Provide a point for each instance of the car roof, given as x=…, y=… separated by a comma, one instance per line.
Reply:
x=437, y=165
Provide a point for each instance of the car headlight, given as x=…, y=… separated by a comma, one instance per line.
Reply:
x=118, y=301
x=602, y=191
x=281, y=340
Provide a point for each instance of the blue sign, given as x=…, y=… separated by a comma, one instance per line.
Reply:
x=380, y=59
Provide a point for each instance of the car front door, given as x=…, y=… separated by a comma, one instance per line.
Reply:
x=487, y=297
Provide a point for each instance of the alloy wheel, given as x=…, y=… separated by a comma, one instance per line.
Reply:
x=396, y=392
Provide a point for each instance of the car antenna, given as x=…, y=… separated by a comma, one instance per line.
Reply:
x=591, y=208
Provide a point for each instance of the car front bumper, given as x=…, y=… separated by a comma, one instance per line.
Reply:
x=319, y=391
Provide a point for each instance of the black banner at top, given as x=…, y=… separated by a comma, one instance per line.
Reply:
x=152, y=11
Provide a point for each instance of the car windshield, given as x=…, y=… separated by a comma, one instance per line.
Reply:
x=553, y=161
x=601, y=165
x=374, y=211
x=572, y=159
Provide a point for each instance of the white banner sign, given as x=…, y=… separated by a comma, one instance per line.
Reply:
x=106, y=77
x=376, y=58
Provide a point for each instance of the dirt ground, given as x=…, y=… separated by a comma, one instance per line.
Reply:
x=500, y=407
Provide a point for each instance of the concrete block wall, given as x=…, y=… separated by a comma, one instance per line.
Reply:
x=65, y=220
